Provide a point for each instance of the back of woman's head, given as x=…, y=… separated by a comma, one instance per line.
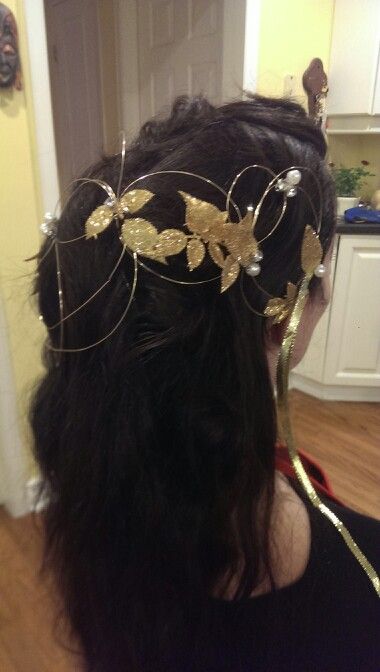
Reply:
x=157, y=445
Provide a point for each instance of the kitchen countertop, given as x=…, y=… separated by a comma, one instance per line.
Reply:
x=357, y=228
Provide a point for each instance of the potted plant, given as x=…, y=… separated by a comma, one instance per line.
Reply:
x=348, y=181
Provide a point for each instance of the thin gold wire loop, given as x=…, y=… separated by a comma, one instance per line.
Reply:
x=90, y=298
x=182, y=172
x=244, y=296
x=238, y=176
x=60, y=293
x=272, y=185
x=115, y=327
x=39, y=259
x=122, y=163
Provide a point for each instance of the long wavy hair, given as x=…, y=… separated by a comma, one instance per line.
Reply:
x=157, y=446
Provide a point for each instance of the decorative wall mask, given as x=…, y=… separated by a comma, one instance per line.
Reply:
x=10, y=69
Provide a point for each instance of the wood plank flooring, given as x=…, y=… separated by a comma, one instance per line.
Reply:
x=343, y=437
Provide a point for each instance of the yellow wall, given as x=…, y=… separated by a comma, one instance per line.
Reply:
x=292, y=32
x=20, y=214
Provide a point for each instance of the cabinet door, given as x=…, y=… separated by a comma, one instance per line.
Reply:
x=353, y=345
x=354, y=57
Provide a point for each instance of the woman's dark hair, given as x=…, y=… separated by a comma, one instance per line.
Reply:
x=157, y=446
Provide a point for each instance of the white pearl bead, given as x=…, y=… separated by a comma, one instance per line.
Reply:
x=110, y=202
x=258, y=256
x=291, y=192
x=320, y=271
x=293, y=177
x=48, y=217
x=253, y=269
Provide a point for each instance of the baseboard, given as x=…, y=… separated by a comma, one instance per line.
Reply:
x=36, y=502
x=333, y=392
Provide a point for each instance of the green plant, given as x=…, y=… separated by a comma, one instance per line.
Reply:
x=348, y=181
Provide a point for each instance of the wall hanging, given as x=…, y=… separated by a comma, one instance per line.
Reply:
x=10, y=67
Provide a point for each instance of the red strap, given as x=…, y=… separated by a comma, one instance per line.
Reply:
x=316, y=474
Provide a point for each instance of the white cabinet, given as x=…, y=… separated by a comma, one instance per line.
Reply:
x=354, y=59
x=343, y=358
x=353, y=344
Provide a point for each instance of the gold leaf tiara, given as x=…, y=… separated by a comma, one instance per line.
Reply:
x=207, y=230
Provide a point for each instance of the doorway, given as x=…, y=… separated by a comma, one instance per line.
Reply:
x=113, y=64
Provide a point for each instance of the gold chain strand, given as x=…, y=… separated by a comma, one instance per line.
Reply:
x=283, y=367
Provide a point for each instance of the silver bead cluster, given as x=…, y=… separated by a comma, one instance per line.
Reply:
x=254, y=267
x=288, y=184
x=49, y=225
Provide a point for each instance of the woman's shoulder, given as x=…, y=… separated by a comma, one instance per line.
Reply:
x=331, y=559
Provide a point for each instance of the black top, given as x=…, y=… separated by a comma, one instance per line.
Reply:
x=328, y=621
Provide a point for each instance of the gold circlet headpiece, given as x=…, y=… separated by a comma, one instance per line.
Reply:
x=207, y=230
x=232, y=247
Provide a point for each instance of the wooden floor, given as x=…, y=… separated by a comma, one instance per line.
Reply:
x=343, y=437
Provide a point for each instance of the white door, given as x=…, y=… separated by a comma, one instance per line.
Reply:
x=180, y=50
x=73, y=45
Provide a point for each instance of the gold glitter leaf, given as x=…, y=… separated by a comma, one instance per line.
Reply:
x=134, y=200
x=98, y=221
x=230, y=272
x=155, y=256
x=139, y=235
x=280, y=308
x=202, y=217
x=195, y=253
x=240, y=241
x=291, y=292
x=311, y=251
x=216, y=254
x=274, y=307
x=170, y=241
